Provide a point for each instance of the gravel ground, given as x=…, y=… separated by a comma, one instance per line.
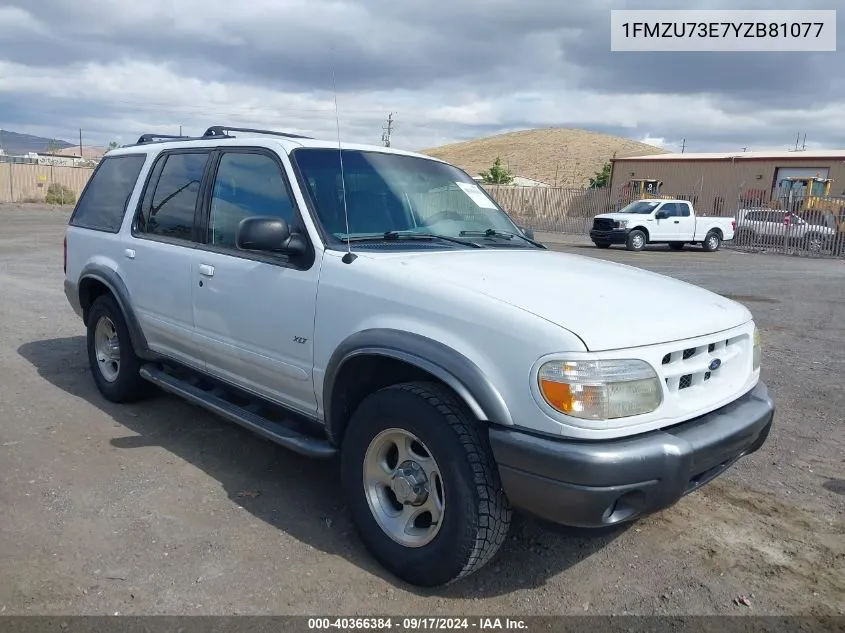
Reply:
x=162, y=508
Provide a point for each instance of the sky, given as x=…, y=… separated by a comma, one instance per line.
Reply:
x=448, y=70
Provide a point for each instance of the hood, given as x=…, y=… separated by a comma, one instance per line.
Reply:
x=622, y=216
x=607, y=305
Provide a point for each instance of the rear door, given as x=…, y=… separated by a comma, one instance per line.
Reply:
x=684, y=222
x=158, y=255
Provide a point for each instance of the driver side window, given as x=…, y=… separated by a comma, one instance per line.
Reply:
x=246, y=185
x=670, y=209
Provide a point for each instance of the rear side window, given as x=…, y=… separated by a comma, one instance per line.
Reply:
x=171, y=199
x=103, y=202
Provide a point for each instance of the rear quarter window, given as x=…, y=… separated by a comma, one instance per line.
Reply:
x=103, y=202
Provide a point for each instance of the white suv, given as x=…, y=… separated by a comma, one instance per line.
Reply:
x=384, y=309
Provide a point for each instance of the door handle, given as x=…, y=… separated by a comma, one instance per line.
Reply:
x=206, y=270
x=130, y=253
x=677, y=221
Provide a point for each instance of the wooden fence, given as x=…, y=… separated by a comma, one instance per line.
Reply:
x=30, y=183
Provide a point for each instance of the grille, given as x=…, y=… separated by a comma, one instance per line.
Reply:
x=691, y=370
x=603, y=224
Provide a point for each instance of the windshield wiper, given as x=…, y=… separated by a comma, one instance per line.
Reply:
x=507, y=235
x=411, y=235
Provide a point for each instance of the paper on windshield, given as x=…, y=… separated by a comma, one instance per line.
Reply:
x=476, y=195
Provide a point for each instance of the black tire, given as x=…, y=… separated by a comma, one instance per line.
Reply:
x=476, y=514
x=712, y=241
x=602, y=244
x=127, y=386
x=677, y=246
x=636, y=241
x=815, y=243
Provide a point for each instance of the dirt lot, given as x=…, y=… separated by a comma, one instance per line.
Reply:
x=162, y=508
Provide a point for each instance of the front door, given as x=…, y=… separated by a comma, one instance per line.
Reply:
x=663, y=230
x=254, y=313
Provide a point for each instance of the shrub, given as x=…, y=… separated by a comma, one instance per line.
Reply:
x=60, y=194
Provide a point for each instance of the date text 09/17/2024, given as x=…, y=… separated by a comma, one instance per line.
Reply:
x=415, y=624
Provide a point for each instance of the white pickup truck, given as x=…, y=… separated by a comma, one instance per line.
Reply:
x=657, y=221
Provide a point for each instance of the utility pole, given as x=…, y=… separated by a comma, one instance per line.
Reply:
x=385, y=137
x=683, y=145
x=180, y=130
x=80, y=143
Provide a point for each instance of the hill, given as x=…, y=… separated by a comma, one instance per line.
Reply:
x=17, y=143
x=560, y=156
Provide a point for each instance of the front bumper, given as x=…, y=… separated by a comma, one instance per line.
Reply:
x=597, y=484
x=611, y=236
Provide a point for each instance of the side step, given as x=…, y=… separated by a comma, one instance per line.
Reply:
x=273, y=431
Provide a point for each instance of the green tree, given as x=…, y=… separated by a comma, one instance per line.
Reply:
x=602, y=177
x=498, y=174
x=113, y=145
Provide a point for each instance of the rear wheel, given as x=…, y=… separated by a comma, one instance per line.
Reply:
x=113, y=361
x=636, y=240
x=422, y=485
x=712, y=242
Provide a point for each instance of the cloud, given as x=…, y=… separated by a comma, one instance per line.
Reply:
x=448, y=69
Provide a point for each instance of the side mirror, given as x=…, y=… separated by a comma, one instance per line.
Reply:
x=661, y=215
x=271, y=234
x=529, y=233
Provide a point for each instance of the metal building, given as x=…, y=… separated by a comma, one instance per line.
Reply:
x=720, y=183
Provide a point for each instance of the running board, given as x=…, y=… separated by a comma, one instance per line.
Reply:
x=273, y=431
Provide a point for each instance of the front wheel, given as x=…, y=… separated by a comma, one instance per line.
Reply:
x=712, y=242
x=814, y=243
x=636, y=240
x=422, y=485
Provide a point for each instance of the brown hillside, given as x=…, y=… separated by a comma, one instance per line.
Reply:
x=553, y=155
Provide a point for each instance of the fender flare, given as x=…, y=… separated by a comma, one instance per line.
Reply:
x=643, y=229
x=453, y=368
x=111, y=280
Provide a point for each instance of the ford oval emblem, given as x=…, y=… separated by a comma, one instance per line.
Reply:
x=715, y=364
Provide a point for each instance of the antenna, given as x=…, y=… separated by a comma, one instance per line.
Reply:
x=350, y=256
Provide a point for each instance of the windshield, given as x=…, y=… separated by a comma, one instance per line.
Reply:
x=639, y=207
x=392, y=192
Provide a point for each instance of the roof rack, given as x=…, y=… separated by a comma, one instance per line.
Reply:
x=221, y=130
x=152, y=138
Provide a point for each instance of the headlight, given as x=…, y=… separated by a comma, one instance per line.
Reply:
x=758, y=350
x=622, y=224
x=600, y=389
